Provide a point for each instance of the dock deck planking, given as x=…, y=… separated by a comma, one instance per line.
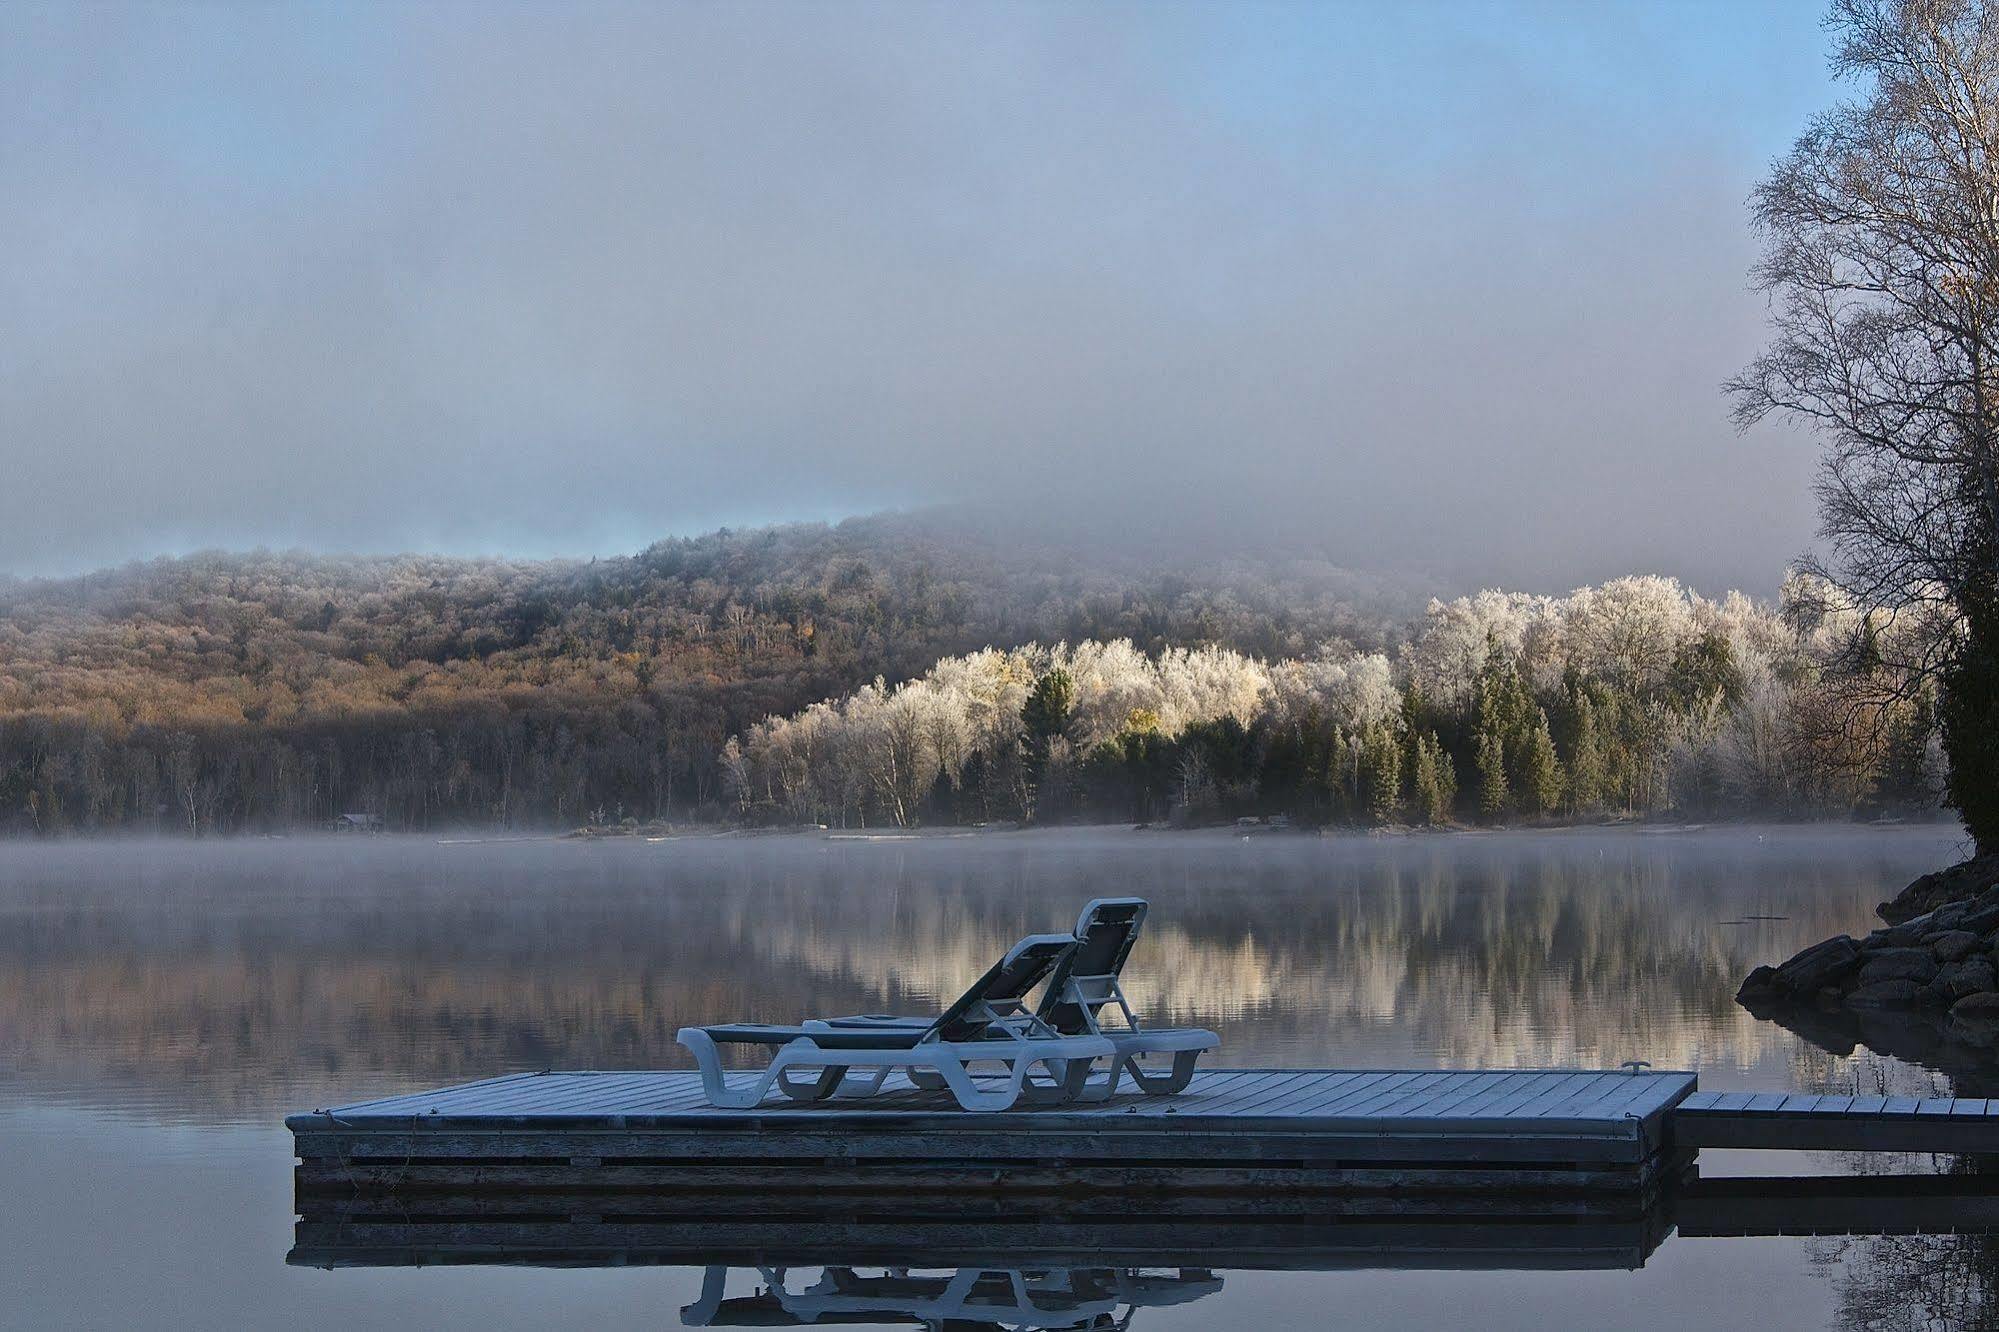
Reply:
x=1305, y=1095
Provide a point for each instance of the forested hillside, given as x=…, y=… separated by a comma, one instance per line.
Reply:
x=226, y=691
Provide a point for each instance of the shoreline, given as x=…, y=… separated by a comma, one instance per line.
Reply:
x=993, y=833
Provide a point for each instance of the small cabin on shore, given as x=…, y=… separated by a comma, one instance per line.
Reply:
x=367, y=823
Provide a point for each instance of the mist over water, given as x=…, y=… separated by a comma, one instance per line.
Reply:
x=164, y=1004
x=226, y=982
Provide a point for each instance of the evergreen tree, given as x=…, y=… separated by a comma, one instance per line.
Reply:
x=1044, y=720
x=1499, y=689
x=1433, y=783
x=1447, y=781
x=1342, y=777
x=1381, y=774
x=1492, y=791
x=1586, y=765
x=1416, y=711
x=1422, y=777
x=1704, y=668
x=1045, y=714
x=1540, y=772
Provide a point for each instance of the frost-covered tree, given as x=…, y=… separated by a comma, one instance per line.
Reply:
x=1639, y=694
x=1881, y=256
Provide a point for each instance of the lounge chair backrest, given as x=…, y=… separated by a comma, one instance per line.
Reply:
x=1087, y=979
x=999, y=992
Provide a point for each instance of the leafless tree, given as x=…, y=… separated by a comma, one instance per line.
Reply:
x=1881, y=230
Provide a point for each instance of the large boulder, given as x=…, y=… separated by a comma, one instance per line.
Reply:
x=1885, y=994
x=1973, y=975
x=1974, y=1019
x=1982, y=916
x=1959, y=883
x=1982, y=1007
x=1939, y=949
x=1946, y=917
x=1761, y=987
x=1890, y=964
x=1903, y=935
x=1954, y=945
x=1823, y=964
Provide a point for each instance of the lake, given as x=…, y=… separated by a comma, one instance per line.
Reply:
x=164, y=1004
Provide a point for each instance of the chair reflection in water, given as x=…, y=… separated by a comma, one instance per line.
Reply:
x=1092, y=1299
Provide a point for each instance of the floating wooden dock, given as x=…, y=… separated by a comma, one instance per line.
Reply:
x=1263, y=1168
x=1545, y=1131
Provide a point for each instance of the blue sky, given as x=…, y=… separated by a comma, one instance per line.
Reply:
x=1450, y=285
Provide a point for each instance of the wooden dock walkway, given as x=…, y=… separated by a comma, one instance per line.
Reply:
x=1349, y=1129
x=1807, y=1122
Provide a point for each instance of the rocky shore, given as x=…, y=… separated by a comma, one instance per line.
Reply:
x=1938, y=952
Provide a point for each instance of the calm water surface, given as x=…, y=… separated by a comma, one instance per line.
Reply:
x=164, y=1004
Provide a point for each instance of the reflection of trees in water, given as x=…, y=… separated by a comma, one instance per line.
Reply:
x=1913, y=1283
x=1916, y=1283
x=1904, y=1283
x=251, y=976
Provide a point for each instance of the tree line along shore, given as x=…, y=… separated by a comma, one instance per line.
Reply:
x=903, y=671
x=1636, y=698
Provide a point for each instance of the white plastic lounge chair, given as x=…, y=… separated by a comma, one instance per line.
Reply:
x=989, y=1024
x=1081, y=988
x=1085, y=984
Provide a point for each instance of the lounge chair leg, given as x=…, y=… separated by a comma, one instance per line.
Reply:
x=927, y=1080
x=1076, y=1081
x=1090, y=1088
x=1167, y=1083
x=1070, y=1082
x=812, y=1089
x=1060, y=1088
x=973, y=1097
x=715, y=1083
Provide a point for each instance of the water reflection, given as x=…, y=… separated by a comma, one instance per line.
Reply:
x=1910, y=1251
x=1940, y=1269
x=163, y=1004
x=1914, y=1036
x=968, y=1298
x=1907, y=1283
x=1325, y=1233
x=237, y=981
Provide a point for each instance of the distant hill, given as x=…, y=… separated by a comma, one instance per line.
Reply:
x=274, y=690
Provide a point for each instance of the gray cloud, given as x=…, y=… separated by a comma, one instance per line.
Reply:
x=546, y=280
